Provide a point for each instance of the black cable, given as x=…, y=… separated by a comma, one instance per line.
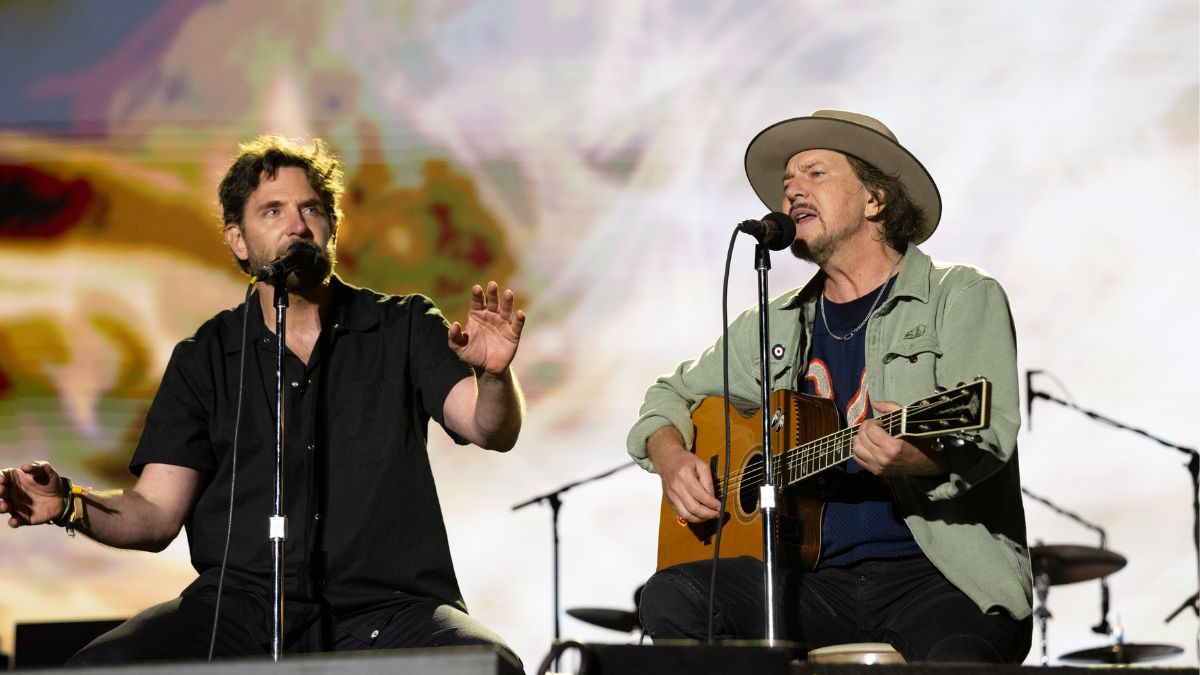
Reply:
x=712, y=580
x=237, y=421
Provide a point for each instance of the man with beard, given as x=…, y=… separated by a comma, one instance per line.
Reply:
x=922, y=541
x=367, y=563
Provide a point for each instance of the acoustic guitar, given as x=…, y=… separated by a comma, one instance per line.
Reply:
x=805, y=441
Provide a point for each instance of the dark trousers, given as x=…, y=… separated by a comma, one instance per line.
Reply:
x=906, y=603
x=181, y=629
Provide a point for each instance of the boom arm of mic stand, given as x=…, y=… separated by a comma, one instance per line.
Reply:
x=1102, y=628
x=555, y=502
x=1193, y=464
x=1193, y=602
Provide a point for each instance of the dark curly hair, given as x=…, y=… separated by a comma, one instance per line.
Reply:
x=268, y=154
x=900, y=218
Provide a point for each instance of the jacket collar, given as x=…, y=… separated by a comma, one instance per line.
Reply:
x=912, y=282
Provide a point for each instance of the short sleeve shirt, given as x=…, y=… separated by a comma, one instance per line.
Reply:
x=364, y=524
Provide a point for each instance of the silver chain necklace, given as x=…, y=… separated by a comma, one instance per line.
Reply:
x=878, y=297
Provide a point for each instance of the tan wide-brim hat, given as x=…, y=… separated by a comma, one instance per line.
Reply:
x=849, y=133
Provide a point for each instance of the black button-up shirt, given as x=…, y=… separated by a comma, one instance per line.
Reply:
x=364, y=525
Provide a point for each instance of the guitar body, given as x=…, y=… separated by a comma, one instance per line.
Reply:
x=796, y=418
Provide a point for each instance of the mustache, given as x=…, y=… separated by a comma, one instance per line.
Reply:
x=314, y=264
x=804, y=206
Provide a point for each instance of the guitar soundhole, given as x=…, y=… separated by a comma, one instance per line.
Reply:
x=752, y=478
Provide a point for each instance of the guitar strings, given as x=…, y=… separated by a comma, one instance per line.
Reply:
x=821, y=449
x=801, y=453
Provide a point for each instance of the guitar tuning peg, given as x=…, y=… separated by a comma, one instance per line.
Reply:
x=939, y=389
x=937, y=445
x=962, y=384
x=957, y=442
x=977, y=437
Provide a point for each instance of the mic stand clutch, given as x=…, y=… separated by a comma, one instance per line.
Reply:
x=767, y=492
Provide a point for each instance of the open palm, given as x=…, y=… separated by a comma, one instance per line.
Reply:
x=493, y=330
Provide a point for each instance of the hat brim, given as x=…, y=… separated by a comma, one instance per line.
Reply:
x=769, y=152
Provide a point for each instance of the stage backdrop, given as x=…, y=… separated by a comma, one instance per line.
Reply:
x=589, y=156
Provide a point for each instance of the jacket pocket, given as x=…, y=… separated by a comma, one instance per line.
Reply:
x=913, y=350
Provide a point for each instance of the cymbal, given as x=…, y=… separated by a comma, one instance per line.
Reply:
x=615, y=619
x=1069, y=563
x=1123, y=653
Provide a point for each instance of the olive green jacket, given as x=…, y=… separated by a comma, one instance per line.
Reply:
x=940, y=325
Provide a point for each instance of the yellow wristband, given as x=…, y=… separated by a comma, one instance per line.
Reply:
x=76, y=515
x=72, y=506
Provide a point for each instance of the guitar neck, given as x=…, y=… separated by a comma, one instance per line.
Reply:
x=962, y=409
x=811, y=458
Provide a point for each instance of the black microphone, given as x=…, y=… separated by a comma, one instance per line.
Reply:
x=296, y=257
x=776, y=230
x=1029, y=397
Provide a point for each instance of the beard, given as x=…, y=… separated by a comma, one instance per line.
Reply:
x=315, y=270
x=822, y=247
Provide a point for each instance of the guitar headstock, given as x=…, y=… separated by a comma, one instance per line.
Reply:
x=963, y=408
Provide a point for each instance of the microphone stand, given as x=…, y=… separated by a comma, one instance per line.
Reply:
x=552, y=498
x=277, y=523
x=767, y=492
x=1101, y=628
x=1193, y=466
x=1193, y=602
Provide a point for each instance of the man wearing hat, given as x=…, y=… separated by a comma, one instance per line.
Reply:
x=923, y=540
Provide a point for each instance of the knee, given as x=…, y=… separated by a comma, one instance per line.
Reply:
x=672, y=606
x=98, y=653
x=964, y=649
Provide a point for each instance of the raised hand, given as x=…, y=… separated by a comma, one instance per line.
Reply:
x=31, y=494
x=493, y=330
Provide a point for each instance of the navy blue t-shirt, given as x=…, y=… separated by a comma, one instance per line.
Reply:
x=860, y=517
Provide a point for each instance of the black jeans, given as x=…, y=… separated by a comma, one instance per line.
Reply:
x=906, y=603
x=181, y=629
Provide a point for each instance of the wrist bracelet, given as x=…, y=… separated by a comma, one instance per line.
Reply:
x=73, y=510
x=68, y=501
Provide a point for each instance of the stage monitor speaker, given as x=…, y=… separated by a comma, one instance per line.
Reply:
x=443, y=661
x=51, y=643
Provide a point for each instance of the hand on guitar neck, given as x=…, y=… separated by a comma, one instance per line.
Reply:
x=686, y=479
x=885, y=455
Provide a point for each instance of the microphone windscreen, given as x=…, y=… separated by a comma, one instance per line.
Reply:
x=783, y=234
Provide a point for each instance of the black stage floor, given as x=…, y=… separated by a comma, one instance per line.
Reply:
x=599, y=659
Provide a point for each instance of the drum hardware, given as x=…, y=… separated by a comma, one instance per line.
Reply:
x=1060, y=564
x=621, y=620
x=1122, y=653
x=863, y=653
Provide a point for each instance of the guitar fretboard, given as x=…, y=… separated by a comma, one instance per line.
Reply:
x=809, y=459
x=957, y=410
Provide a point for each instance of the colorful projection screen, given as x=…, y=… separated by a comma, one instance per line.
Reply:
x=589, y=156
